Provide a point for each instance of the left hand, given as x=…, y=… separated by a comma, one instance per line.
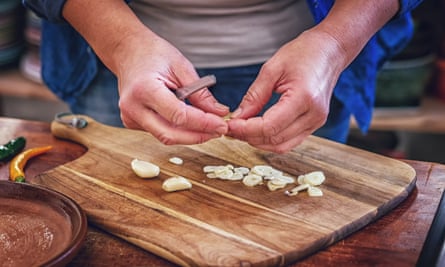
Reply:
x=304, y=72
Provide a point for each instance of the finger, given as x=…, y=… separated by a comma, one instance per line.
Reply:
x=161, y=100
x=279, y=117
x=182, y=115
x=205, y=101
x=286, y=146
x=257, y=96
x=165, y=132
x=202, y=99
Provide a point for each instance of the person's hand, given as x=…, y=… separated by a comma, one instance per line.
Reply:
x=304, y=72
x=151, y=68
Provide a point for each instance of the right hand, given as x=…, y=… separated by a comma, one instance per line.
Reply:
x=149, y=68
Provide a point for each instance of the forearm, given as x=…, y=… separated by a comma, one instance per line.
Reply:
x=107, y=25
x=351, y=23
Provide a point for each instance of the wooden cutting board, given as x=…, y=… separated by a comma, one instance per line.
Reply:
x=224, y=223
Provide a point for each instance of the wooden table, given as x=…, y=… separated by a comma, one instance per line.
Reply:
x=396, y=239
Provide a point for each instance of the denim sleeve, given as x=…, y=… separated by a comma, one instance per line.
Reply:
x=50, y=10
x=407, y=6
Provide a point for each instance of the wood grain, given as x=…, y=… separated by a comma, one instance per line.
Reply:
x=218, y=222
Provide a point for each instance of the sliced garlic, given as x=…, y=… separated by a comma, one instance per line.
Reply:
x=211, y=175
x=210, y=168
x=176, y=183
x=275, y=178
x=144, y=169
x=252, y=180
x=314, y=191
x=278, y=181
x=236, y=176
x=299, y=188
x=262, y=170
x=274, y=186
x=229, y=166
x=284, y=179
x=176, y=160
x=314, y=178
x=290, y=193
x=242, y=170
x=300, y=179
x=224, y=174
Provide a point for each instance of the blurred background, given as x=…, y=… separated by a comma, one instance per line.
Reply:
x=410, y=98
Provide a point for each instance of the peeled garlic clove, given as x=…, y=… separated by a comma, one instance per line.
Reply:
x=252, y=180
x=176, y=160
x=314, y=178
x=145, y=169
x=314, y=191
x=176, y=183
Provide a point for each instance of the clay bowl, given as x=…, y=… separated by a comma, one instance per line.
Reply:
x=38, y=226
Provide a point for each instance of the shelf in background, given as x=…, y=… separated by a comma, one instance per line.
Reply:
x=426, y=118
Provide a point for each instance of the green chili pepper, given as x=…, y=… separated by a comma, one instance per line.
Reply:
x=12, y=148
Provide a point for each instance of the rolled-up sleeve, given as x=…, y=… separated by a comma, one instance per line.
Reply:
x=50, y=10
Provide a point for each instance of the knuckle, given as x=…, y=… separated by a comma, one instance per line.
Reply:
x=178, y=117
x=166, y=139
x=276, y=140
x=269, y=129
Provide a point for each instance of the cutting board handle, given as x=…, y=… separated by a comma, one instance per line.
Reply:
x=64, y=130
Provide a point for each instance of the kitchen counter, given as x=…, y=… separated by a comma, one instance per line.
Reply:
x=395, y=239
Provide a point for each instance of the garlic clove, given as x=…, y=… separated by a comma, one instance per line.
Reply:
x=145, y=169
x=176, y=183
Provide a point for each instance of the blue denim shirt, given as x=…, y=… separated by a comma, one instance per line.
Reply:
x=69, y=64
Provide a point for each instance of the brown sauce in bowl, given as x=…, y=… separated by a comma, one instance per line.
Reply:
x=31, y=232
